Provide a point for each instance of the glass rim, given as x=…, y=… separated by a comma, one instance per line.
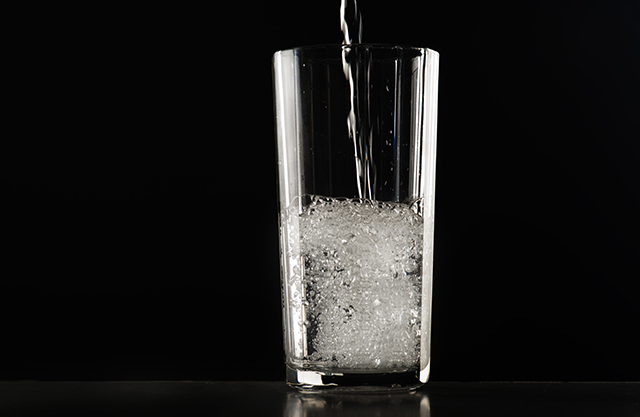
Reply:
x=380, y=46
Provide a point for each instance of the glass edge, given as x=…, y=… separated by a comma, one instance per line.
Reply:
x=374, y=45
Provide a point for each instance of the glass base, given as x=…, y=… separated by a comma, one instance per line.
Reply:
x=316, y=381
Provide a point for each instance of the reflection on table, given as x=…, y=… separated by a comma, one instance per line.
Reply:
x=413, y=404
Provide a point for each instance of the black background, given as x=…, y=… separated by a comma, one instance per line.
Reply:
x=139, y=205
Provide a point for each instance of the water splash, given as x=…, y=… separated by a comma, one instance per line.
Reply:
x=361, y=265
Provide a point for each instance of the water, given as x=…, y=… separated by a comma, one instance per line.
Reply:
x=350, y=22
x=359, y=284
x=360, y=280
x=354, y=267
x=356, y=67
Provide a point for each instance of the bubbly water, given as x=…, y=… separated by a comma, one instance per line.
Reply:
x=360, y=278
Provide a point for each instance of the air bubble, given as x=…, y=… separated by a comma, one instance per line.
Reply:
x=362, y=309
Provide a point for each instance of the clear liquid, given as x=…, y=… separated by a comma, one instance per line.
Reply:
x=357, y=71
x=350, y=22
x=359, y=283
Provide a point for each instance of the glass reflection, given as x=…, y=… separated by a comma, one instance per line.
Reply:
x=414, y=404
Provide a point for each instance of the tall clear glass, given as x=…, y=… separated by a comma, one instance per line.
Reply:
x=356, y=140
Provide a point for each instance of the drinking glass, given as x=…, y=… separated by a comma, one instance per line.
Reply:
x=356, y=151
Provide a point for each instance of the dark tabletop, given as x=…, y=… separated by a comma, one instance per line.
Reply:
x=436, y=399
